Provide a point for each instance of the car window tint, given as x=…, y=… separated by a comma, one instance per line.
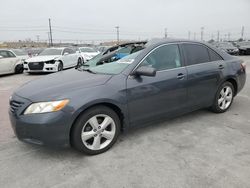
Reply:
x=214, y=56
x=6, y=54
x=195, y=54
x=163, y=58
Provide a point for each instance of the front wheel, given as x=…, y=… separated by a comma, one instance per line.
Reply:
x=96, y=130
x=224, y=98
x=60, y=67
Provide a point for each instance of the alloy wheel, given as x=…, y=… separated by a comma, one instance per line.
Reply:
x=98, y=132
x=225, y=98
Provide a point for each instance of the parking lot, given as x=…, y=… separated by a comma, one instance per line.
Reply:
x=200, y=149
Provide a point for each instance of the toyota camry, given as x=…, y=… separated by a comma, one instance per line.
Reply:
x=87, y=108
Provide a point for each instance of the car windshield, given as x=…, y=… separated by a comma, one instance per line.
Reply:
x=115, y=67
x=19, y=52
x=92, y=62
x=51, y=51
x=88, y=50
x=225, y=44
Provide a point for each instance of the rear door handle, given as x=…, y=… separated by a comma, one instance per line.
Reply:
x=180, y=76
x=221, y=67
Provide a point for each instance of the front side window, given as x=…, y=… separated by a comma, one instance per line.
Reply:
x=163, y=58
x=195, y=54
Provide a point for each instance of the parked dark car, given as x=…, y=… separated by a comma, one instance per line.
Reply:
x=228, y=47
x=244, y=47
x=87, y=108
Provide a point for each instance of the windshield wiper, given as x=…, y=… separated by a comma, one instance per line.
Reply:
x=84, y=69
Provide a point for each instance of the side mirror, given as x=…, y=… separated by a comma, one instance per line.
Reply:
x=1, y=57
x=145, y=71
x=66, y=53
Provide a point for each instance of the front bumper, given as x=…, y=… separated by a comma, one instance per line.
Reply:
x=50, y=129
x=44, y=68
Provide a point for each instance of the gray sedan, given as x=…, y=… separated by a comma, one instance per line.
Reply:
x=88, y=108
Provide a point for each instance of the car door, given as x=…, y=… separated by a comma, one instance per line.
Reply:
x=66, y=58
x=7, y=61
x=73, y=57
x=165, y=94
x=204, y=74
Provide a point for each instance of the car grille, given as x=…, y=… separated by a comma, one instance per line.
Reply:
x=36, y=66
x=15, y=105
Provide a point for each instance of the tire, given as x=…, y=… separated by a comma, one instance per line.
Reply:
x=87, y=135
x=224, y=98
x=79, y=63
x=60, y=67
x=19, y=69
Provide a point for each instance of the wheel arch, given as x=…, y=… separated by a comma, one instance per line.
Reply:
x=117, y=109
x=234, y=83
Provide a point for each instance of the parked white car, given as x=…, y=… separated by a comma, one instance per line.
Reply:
x=22, y=54
x=87, y=53
x=10, y=63
x=53, y=60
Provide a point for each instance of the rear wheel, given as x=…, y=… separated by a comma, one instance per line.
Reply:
x=224, y=98
x=19, y=69
x=96, y=130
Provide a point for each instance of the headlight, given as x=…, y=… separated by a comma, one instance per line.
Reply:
x=43, y=107
x=50, y=62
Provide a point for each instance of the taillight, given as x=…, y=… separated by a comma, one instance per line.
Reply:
x=243, y=66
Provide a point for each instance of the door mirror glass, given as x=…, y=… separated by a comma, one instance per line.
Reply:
x=145, y=71
x=66, y=53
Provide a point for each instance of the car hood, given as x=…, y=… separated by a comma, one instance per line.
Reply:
x=90, y=53
x=229, y=48
x=42, y=58
x=59, y=85
x=245, y=46
x=23, y=57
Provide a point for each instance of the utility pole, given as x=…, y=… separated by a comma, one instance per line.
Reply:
x=37, y=38
x=166, y=32
x=218, y=36
x=118, y=33
x=50, y=31
x=202, y=32
x=49, y=38
x=189, y=35
x=242, y=32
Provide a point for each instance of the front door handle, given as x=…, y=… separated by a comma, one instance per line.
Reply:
x=221, y=67
x=180, y=76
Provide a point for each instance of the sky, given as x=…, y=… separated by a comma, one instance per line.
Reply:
x=95, y=20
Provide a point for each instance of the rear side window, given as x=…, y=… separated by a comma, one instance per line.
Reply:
x=6, y=54
x=195, y=54
x=214, y=56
